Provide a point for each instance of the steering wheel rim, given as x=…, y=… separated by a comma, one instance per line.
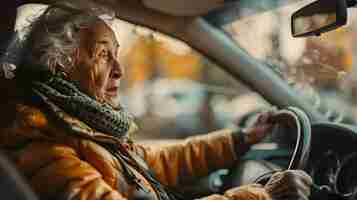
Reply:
x=302, y=148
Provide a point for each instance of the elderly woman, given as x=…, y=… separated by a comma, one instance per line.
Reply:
x=68, y=135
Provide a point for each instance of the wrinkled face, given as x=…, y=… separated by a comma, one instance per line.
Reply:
x=97, y=70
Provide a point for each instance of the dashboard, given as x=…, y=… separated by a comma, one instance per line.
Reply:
x=333, y=160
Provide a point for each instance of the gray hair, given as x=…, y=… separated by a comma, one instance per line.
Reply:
x=54, y=38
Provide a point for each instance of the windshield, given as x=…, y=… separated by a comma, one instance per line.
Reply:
x=319, y=68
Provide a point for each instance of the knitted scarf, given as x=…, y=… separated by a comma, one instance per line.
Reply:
x=101, y=117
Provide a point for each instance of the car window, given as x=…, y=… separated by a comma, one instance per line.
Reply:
x=175, y=92
x=320, y=68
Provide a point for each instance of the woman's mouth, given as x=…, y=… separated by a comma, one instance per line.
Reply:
x=112, y=91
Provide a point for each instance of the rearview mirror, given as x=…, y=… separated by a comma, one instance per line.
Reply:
x=319, y=17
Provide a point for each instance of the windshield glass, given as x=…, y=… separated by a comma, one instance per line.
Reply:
x=319, y=68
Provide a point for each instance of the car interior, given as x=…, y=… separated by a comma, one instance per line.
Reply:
x=217, y=64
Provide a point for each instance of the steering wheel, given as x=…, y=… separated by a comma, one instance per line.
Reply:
x=302, y=148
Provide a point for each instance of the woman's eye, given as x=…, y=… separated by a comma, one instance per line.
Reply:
x=105, y=55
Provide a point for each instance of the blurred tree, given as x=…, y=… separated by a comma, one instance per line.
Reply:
x=150, y=57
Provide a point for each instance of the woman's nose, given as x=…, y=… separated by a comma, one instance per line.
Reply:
x=117, y=70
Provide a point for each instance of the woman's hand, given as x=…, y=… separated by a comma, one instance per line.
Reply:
x=289, y=185
x=286, y=185
x=247, y=192
x=259, y=128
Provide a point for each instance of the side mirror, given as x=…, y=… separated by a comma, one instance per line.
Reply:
x=319, y=17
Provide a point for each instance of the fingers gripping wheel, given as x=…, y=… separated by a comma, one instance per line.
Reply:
x=303, y=140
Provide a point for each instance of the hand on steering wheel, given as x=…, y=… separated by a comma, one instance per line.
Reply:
x=293, y=183
x=260, y=128
x=289, y=184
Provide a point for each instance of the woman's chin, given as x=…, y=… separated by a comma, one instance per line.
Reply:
x=113, y=101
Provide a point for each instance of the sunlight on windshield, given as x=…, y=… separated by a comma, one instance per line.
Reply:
x=320, y=68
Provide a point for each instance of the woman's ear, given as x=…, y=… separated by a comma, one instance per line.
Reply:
x=73, y=60
x=75, y=57
x=69, y=70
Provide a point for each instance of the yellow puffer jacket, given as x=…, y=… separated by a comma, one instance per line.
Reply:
x=60, y=166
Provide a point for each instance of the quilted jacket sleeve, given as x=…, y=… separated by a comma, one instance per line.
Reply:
x=57, y=171
x=178, y=162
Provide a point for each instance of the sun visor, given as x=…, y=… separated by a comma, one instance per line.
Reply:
x=183, y=7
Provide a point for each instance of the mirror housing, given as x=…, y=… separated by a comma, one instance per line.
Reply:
x=319, y=17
